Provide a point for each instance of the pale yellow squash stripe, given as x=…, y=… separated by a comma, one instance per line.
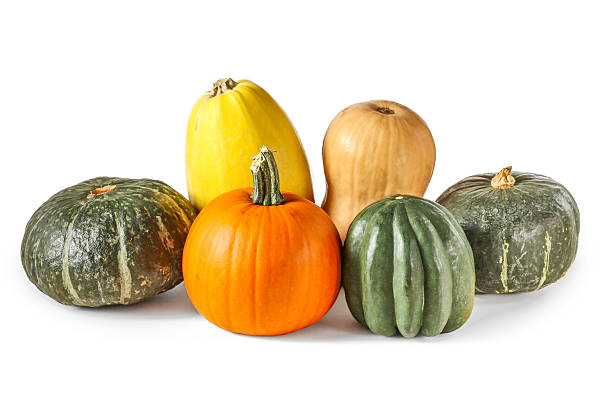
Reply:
x=226, y=131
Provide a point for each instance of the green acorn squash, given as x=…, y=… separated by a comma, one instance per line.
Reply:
x=523, y=228
x=107, y=241
x=408, y=267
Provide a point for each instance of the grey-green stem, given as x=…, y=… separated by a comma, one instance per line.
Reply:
x=266, y=184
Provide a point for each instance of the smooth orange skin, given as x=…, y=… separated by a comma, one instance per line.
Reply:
x=262, y=270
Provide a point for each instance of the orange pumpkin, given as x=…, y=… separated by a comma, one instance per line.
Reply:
x=264, y=263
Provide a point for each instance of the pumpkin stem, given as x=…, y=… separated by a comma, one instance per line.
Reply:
x=266, y=184
x=503, y=179
x=223, y=85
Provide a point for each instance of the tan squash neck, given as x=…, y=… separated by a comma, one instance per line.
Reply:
x=223, y=85
x=503, y=179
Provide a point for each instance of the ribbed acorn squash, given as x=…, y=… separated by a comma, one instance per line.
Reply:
x=407, y=266
x=523, y=228
x=107, y=241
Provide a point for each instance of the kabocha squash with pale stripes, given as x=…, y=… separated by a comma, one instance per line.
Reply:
x=107, y=241
x=523, y=228
x=407, y=266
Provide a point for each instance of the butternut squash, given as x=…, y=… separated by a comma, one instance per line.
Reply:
x=372, y=150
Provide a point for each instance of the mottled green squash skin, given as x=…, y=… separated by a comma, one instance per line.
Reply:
x=407, y=266
x=524, y=237
x=115, y=247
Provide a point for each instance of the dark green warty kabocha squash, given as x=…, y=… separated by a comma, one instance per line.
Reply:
x=407, y=266
x=107, y=241
x=523, y=228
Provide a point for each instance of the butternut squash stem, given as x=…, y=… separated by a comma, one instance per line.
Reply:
x=266, y=184
x=385, y=111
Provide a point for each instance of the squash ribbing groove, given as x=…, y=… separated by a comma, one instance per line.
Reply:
x=125, y=275
x=65, y=268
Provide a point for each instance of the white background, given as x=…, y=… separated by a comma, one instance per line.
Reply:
x=90, y=89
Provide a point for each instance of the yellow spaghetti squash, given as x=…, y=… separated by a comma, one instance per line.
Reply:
x=226, y=128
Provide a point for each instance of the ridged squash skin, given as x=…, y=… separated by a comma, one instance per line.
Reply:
x=107, y=241
x=226, y=128
x=524, y=236
x=371, y=150
x=407, y=266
